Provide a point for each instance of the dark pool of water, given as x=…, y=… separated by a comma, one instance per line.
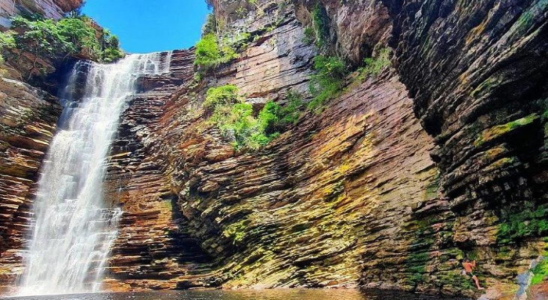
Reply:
x=291, y=294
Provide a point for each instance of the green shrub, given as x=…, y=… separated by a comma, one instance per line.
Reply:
x=328, y=80
x=111, y=46
x=6, y=42
x=210, y=26
x=276, y=118
x=209, y=53
x=40, y=37
x=374, y=66
x=540, y=272
x=68, y=36
x=81, y=37
x=207, y=50
x=269, y=116
x=237, y=120
x=234, y=118
x=112, y=55
x=221, y=96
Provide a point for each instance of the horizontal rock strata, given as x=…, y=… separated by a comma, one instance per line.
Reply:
x=441, y=156
x=154, y=249
x=28, y=120
x=352, y=195
x=306, y=210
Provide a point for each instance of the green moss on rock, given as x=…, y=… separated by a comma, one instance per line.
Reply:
x=540, y=272
x=419, y=251
x=236, y=231
x=522, y=224
x=501, y=130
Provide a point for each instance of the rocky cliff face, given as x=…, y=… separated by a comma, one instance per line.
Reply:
x=481, y=93
x=154, y=249
x=439, y=157
x=27, y=123
x=360, y=193
x=310, y=208
x=28, y=118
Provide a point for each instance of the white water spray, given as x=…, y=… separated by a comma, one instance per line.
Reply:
x=74, y=227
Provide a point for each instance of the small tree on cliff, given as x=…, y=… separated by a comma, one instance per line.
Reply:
x=207, y=51
x=80, y=35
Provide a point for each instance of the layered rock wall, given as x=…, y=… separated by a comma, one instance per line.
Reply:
x=439, y=157
x=28, y=118
x=360, y=193
x=154, y=249
x=481, y=93
x=307, y=209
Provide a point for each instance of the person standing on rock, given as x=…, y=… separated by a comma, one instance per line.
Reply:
x=469, y=270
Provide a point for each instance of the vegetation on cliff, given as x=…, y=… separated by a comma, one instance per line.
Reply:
x=6, y=42
x=328, y=80
x=219, y=45
x=318, y=32
x=331, y=75
x=320, y=22
x=235, y=118
x=278, y=118
x=518, y=225
x=239, y=123
x=72, y=36
x=210, y=52
x=540, y=271
x=373, y=66
x=210, y=26
x=222, y=96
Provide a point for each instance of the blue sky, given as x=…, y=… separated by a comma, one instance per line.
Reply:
x=150, y=25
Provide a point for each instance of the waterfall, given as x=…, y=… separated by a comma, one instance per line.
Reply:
x=74, y=228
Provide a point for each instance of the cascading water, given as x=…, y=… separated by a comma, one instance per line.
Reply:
x=74, y=227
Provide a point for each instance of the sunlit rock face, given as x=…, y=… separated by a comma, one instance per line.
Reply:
x=440, y=157
x=28, y=120
x=53, y=9
x=362, y=193
x=154, y=249
x=303, y=212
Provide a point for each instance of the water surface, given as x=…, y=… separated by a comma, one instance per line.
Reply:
x=289, y=294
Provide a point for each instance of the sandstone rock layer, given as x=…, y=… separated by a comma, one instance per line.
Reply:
x=28, y=120
x=439, y=157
